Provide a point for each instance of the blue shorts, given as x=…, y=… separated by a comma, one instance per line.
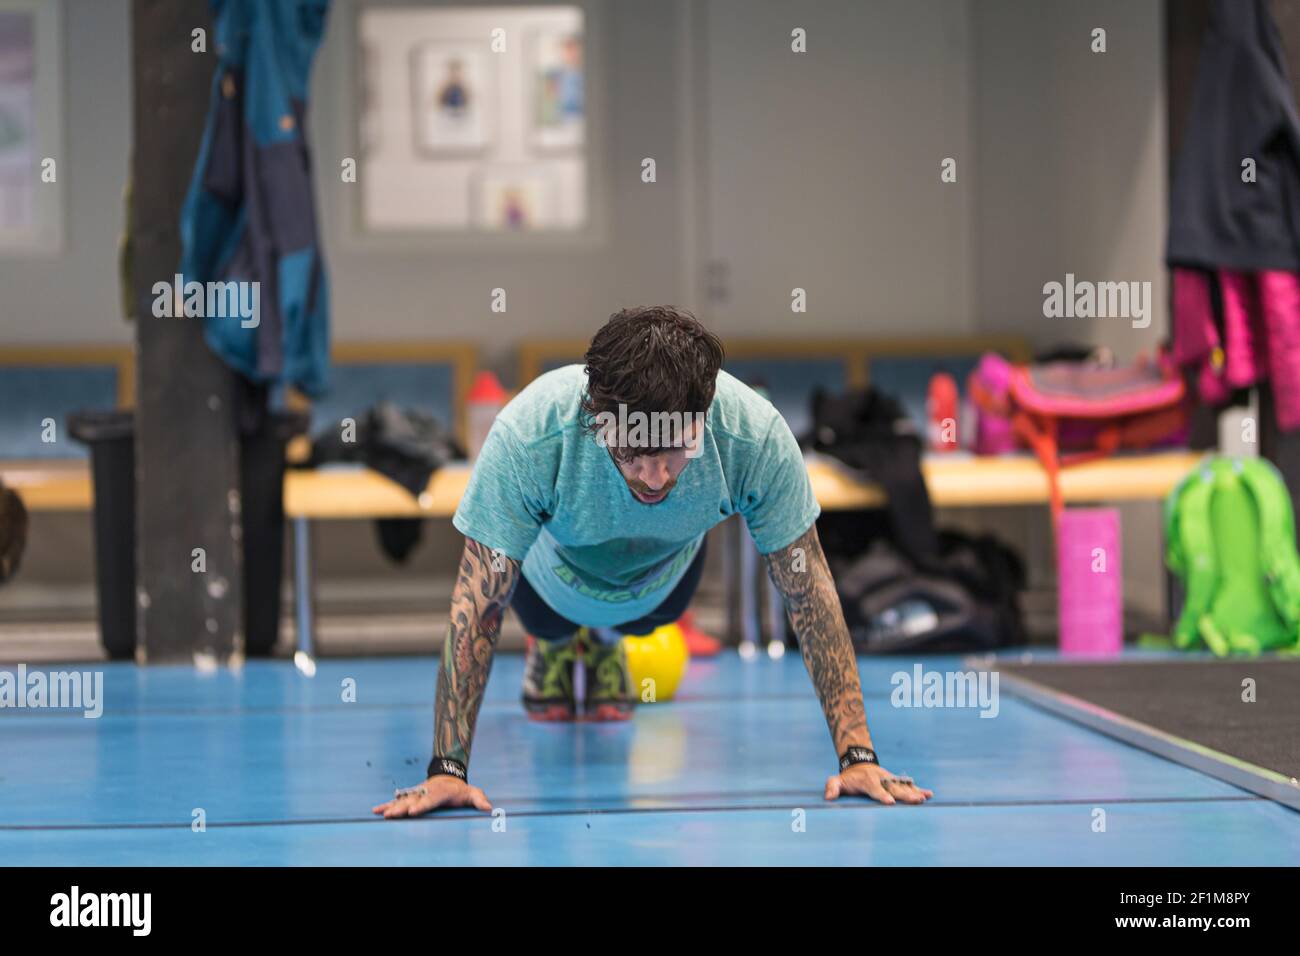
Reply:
x=541, y=620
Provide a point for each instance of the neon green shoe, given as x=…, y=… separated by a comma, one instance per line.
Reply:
x=609, y=682
x=548, y=680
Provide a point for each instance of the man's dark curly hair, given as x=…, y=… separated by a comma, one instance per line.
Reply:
x=651, y=359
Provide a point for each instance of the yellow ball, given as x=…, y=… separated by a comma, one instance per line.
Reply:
x=657, y=663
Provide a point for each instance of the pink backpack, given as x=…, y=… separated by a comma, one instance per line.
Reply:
x=1082, y=408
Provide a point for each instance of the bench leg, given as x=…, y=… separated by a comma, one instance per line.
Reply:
x=728, y=579
x=747, y=566
x=304, y=656
x=775, y=620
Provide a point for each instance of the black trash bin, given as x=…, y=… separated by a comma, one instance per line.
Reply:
x=111, y=437
x=261, y=479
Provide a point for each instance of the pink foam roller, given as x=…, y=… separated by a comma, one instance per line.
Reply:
x=1090, y=600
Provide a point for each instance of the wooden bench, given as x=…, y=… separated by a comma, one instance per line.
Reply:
x=364, y=373
x=954, y=481
x=348, y=492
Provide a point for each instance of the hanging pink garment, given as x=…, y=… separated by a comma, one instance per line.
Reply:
x=1279, y=295
x=1196, y=339
x=1246, y=350
x=1261, y=335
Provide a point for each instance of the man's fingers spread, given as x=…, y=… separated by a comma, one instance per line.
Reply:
x=396, y=809
x=833, y=787
x=908, y=793
x=911, y=793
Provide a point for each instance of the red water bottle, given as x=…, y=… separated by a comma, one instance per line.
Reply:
x=941, y=413
x=485, y=399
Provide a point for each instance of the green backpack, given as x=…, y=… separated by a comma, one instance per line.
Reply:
x=1230, y=538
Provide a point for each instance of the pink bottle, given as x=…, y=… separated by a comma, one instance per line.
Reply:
x=991, y=381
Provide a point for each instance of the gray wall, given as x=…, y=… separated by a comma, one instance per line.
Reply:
x=1071, y=156
x=822, y=168
x=1061, y=157
x=1061, y=169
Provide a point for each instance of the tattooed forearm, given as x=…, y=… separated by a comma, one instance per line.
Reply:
x=484, y=585
x=801, y=575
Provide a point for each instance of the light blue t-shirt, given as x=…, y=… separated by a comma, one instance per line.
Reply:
x=544, y=492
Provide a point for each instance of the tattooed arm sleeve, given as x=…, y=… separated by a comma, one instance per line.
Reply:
x=801, y=574
x=484, y=584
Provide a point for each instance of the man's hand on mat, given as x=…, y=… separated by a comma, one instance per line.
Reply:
x=874, y=781
x=436, y=793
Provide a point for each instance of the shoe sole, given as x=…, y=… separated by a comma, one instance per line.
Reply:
x=608, y=714
x=550, y=713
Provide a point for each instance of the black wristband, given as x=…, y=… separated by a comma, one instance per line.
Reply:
x=447, y=766
x=858, y=755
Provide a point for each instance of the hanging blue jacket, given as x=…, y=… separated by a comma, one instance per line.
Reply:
x=249, y=215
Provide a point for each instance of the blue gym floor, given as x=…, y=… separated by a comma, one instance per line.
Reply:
x=286, y=773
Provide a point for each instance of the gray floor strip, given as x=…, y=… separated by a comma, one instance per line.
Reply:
x=1221, y=766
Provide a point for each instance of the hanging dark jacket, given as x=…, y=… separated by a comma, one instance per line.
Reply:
x=906, y=587
x=249, y=215
x=1241, y=108
x=868, y=431
x=404, y=445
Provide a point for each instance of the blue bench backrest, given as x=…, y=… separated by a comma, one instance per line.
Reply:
x=907, y=378
x=356, y=386
x=902, y=369
x=789, y=382
x=29, y=394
